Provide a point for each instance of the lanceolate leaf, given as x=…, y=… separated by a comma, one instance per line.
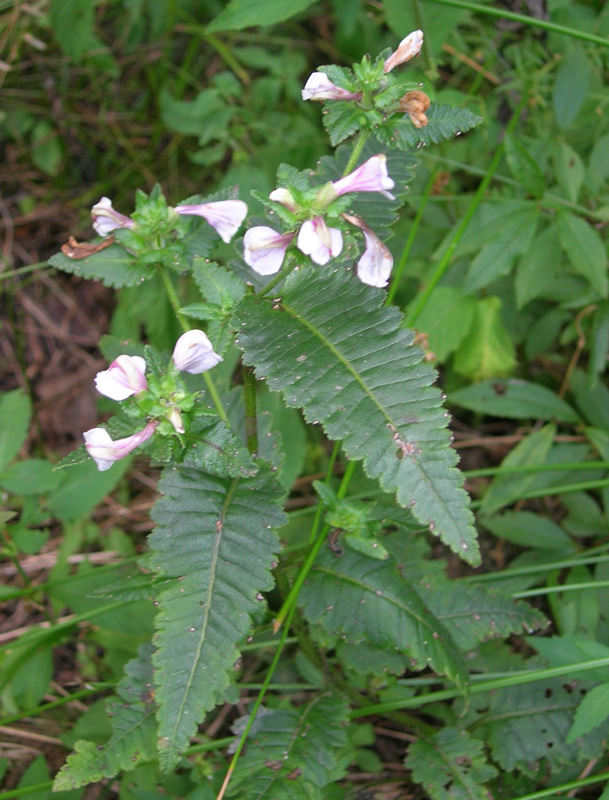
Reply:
x=134, y=731
x=293, y=753
x=368, y=600
x=450, y=764
x=216, y=540
x=336, y=352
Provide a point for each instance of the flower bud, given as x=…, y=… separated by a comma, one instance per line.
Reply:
x=320, y=87
x=283, y=196
x=175, y=417
x=194, y=353
x=407, y=49
x=106, y=219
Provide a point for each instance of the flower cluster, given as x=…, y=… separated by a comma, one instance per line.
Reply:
x=264, y=248
x=225, y=216
x=126, y=377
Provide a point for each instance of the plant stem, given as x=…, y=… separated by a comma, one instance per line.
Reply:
x=281, y=275
x=357, y=151
x=442, y=267
x=531, y=22
x=249, y=401
x=174, y=301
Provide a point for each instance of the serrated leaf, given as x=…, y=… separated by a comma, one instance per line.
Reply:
x=450, y=764
x=134, y=731
x=585, y=249
x=218, y=451
x=113, y=266
x=514, y=398
x=342, y=119
x=591, y=712
x=335, y=351
x=217, y=284
x=216, y=538
x=444, y=122
x=369, y=601
x=506, y=489
x=475, y=614
x=292, y=753
x=15, y=413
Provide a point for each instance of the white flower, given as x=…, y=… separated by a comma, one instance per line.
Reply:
x=194, y=353
x=320, y=87
x=104, y=451
x=283, y=196
x=225, y=216
x=375, y=265
x=264, y=249
x=408, y=48
x=317, y=240
x=124, y=377
x=106, y=219
x=371, y=176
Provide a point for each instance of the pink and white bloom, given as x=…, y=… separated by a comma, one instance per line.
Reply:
x=106, y=219
x=104, y=451
x=320, y=87
x=375, y=265
x=317, y=240
x=225, y=216
x=264, y=249
x=125, y=376
x=371, y=176
x=194, y=353
x=408, y=48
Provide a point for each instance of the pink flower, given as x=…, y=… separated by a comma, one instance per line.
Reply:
x=104, y=451
x=374, y=267
x=371, y=176
x=124, y=377
x=225, y=216
x=317, y=240
x=264, y=249
x=106, y=219
x=407, y=49
x=320, y=87
x=194, y=353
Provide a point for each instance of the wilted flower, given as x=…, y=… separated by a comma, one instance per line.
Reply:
x=374, y=267
x=124, y=377
x=225, y=216
x=415, y=104
x=317, y=240
x=106, y=219
x=371, y=176
x=320, y=87
x=264, y=249
x=407, y=49
x=194, y=353
x=104, y=451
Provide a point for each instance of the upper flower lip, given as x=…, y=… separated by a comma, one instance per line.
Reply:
x=320, y=87
x=225, y=216
x=408, y=48
x=371, y=176
x=194, y=353
x=124, y=377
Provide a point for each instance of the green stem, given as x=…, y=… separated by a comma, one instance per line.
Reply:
x=38, y=710
x=531, y=22
x=516, y=572
x=357, y=151
x=281, y=275
x=465, y=220
x=397, y=273
x=319, y=508
x=565, y=787
x=174, y=301
x=249, y=401
x=563, y=587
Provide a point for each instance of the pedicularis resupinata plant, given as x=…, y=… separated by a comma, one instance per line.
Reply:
x=300, y=308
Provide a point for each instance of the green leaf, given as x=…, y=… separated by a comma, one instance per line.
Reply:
x=599, y=343
x=46, y=150
x=523, y=166
x=475, y=614
x=537, y=267
x=570, y=87
x=216, y=540
x=506, y=489
x=342, y=119
x=334, y=350
x=514, y=398
x=585, y=249
x=529, y=530
x=15, y=413
x=487, y=351
x=73, y=25
x=83, y=487
x=368, y=600
x=450, y=764
x=292, y=753
x=569, y=170
x=32, y=476
x=592, y=711
x=444, y=122
x=446, y=319
x=113, y=266
x=218, y=451
x=512, y=238
x=240, y=14
x=133, y=731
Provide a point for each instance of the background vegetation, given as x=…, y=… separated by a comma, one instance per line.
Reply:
x=501, y=266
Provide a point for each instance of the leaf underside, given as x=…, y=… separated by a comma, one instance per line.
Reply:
x=216, y=540
x=333, y=350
